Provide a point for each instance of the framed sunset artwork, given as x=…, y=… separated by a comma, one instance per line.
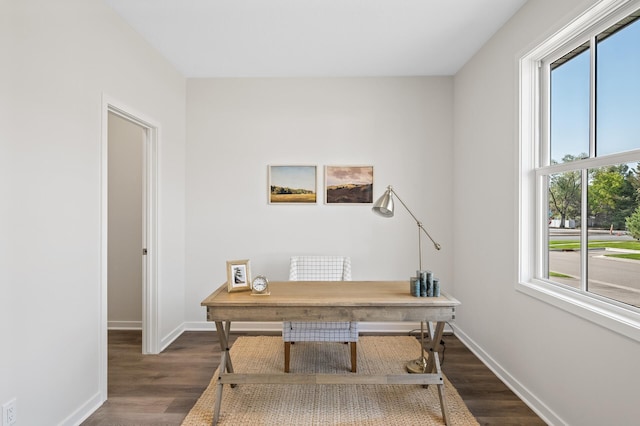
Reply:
x=348, y=184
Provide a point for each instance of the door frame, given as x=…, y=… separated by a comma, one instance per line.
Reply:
x=150, y=305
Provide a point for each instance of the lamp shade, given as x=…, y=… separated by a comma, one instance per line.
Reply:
x=384, y=205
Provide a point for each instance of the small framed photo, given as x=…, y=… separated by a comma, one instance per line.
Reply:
x=348, y=184
x=292, y=184
x=238, y=275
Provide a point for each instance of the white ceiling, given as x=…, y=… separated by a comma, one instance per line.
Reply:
x=316, y=38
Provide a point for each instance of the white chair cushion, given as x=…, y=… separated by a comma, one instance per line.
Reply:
x=320, y=332
x=320, y=268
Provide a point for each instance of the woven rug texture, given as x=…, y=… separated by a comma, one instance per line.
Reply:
x=327, y=404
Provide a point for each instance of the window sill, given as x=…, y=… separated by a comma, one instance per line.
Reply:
x=620, y=320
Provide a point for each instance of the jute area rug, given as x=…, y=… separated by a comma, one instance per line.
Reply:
x=327, y=404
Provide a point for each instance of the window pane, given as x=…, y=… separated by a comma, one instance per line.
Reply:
x=564, y=193
x=618, y=90
x=613, y=265
x=569, y=106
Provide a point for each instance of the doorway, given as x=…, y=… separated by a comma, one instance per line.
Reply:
x=125, y=243
x=129, y=205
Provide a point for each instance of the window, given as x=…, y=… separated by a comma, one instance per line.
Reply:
x=580, y=168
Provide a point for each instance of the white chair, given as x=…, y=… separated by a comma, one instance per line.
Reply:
x=320, y=268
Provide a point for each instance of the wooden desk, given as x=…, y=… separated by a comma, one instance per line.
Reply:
x=331, y=301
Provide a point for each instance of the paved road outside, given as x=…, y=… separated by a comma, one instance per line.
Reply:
x=614, y=278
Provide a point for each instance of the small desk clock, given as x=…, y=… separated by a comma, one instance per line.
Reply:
x=260, y=286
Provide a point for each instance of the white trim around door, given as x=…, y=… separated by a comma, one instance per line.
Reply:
x=150, y=315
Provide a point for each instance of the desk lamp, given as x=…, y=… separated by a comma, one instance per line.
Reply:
x=385, y=207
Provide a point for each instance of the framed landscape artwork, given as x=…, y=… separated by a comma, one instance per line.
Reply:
x=292, y=184
x=238, y=275
x=348, y=184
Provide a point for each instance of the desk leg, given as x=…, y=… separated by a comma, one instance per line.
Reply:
x=441, y=394
x=433, y=363
x=433, y=345
x=225, y=365
x=223, y=336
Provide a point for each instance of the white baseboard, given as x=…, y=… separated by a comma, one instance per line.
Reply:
x=137, y=325
x=83, y=412
x=275, y=326
x=169, y=338
x=516, y=387
x=124, y=325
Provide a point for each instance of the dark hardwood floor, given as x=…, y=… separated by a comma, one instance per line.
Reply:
x=489, y=400
x=161, y=389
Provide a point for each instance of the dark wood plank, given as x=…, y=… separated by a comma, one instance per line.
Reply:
x=161, y=389
x=155, y=389
x=489, y=400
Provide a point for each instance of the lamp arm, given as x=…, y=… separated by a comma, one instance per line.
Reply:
x=436, y=245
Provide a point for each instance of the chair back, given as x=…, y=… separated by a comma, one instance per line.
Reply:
x=320, y=268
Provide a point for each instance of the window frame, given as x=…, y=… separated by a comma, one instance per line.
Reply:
x=534, y=166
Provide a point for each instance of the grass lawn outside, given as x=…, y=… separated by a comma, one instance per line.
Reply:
x=575, y=245
x=634, y=256
x=558, y=275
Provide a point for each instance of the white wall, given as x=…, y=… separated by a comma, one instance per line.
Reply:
x=573, y=371
x=236, y=127
x=58, y=58
x=7, y=320
x=126, y=142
